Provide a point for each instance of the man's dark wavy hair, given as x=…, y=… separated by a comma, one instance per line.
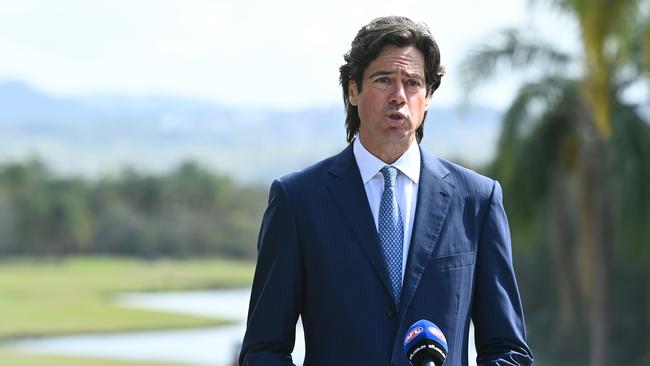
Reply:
x=370, y=40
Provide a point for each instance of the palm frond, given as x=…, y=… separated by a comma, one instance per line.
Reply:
x=539, y=96
x=527, y=161
x=509, y=49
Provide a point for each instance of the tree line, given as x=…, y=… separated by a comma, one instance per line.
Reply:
x=187, y=212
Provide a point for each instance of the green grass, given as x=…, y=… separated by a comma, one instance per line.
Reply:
x=11, y=358
x=75, y=295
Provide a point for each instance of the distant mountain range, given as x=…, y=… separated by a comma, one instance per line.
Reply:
x=101, y=134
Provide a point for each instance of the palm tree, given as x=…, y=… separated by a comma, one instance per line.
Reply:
x=537, y=151
x=571, y=136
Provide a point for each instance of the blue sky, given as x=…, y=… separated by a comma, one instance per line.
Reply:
x=282, y=54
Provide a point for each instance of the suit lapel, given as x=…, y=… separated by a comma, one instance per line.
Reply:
x=346, y=187
x=434, y=197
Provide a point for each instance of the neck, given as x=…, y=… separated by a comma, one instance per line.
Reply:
x=389, y=156
x=388, y=153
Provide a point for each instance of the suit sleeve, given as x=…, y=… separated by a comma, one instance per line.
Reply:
x=497, y=312
x=277, y=287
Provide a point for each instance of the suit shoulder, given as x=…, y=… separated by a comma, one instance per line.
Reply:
x=469, y=181
x=311, y=176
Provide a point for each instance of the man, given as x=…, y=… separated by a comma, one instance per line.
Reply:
x=365, y=243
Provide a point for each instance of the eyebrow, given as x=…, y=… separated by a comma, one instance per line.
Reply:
x=386, y=73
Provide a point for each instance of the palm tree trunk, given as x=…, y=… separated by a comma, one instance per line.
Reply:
x=563, y=256
x=594, y=239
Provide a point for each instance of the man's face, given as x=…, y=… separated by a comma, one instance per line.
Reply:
x=392, y=100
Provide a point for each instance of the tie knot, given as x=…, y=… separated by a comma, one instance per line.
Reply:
x=390, y=175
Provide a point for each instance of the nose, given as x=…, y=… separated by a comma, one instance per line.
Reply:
x=398, y=94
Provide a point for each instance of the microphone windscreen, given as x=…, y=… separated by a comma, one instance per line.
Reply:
x=424, y=341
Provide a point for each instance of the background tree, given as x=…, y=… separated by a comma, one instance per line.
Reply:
x=558, y=138
x=188, y=212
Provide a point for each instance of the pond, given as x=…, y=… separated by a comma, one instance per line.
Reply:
x=205, y=346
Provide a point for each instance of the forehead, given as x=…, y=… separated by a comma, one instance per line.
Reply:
x=397, y=59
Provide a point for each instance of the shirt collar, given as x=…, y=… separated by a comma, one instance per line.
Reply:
x=370, y=165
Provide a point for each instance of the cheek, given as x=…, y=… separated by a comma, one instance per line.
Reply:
x=418, y=106
x=369, y=104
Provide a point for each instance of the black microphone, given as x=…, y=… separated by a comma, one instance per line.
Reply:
x=425, y=345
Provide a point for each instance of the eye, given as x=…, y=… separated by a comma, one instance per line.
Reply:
x=413, y=83
x=383, y=81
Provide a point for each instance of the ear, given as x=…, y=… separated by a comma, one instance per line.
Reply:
x=428, y=102
x=353, y=93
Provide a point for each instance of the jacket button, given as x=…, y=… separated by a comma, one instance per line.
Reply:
x=391, y=314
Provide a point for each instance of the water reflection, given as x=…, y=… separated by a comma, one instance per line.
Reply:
x=230, y=304
x=207, y=346
x=213, y=346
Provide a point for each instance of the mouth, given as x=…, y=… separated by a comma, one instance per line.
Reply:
x=395, y=117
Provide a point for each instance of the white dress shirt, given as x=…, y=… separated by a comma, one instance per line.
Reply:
x=408, y=167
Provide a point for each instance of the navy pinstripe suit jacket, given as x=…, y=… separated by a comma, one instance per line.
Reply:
x=319, y=258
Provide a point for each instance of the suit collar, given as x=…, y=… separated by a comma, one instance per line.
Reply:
x=342, y=162
x=435, y=194
x=346, y=187
x=345, y=160
x=433, y=165
x=369, y=165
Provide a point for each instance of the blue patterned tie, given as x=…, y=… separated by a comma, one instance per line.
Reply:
x=391, y=230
